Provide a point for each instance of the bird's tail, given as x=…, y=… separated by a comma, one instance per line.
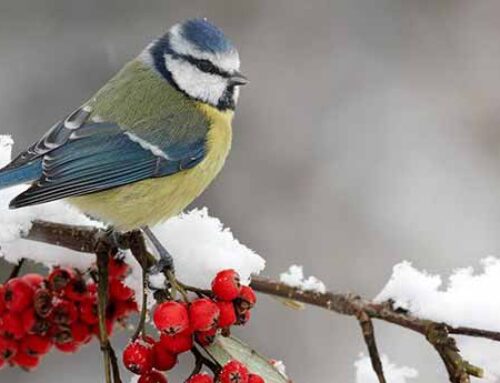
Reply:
x=18, y=175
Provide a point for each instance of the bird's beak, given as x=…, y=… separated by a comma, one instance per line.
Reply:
x=238, y=79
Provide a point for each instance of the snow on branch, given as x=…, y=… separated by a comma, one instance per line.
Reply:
x=437, y=333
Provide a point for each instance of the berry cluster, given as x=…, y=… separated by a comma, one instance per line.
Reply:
x=182, y=323
x=60, y=310
x=233, y=372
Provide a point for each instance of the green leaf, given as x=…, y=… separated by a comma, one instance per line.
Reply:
x=225, y=349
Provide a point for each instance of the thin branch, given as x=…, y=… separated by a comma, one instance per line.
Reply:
x=84, y=239
x=114, y=365
x=16, y=269
x=102, y=252
x=369, y=336
x=469, y=331
x=140, y=254
x=203, y=360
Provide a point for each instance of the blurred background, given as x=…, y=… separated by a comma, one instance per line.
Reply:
x=369, y=135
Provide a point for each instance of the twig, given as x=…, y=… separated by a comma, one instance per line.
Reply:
x=84, y=239
x=16, y=269
x=140, y=254
x=114, y=365
x=369, y=336
x=469, y=331
x=102, y=252
x=203, y=360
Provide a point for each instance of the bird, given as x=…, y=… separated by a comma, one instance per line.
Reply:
x=149, y=142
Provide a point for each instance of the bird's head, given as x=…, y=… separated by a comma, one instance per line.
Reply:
x=198, y=59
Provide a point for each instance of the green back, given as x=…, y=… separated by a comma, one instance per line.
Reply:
x=141, y=101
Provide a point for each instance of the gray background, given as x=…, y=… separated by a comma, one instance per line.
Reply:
x=369, y=134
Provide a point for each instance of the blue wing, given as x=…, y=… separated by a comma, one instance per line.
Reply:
x=84, y=158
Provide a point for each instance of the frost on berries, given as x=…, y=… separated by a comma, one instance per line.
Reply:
x=138, y=357
x=200, y=320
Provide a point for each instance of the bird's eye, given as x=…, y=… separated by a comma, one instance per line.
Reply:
x=205, y=66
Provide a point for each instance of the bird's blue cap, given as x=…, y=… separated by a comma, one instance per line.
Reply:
x=206, y=36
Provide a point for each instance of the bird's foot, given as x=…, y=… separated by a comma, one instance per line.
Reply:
x=166, y=261
x=111, y=237
x=165, y=264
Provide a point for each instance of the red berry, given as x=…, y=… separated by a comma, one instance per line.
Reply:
x=234, y=372
x=171, y=318
x=117, y=267
x=18, y=295
x=200, y=378
x=80, y=332
x=227, y=314
x=43, y=302
x=35, y=345
x=12, y=325
x=60, y=334
x=252, y=378
x=226, y=285
x=92, y=288
x=2, y=302
x=177, y=344
x=119, y=309
x=152, y=377
x=88, y=311
x=68, y=347
x=206, y=338
x=64, y=312
x=203, y=314
x=248, y=295
x=33, y=279
x=8, y=348
x=26, y=361
x=59, y=278
x=138, y=357
x=119, y=291
x=163, y=360
x=28, y=319
x=76, y=290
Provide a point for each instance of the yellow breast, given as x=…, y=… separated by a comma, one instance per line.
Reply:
x=154, y=200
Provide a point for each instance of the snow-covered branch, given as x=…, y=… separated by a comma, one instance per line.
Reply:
x=437, y=333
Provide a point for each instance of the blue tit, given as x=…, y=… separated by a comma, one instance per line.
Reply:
x=149, y=141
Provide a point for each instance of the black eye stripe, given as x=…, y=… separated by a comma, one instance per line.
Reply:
x=206, y=66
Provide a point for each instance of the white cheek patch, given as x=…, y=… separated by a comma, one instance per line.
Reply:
x=203, y=86
x=228, y=61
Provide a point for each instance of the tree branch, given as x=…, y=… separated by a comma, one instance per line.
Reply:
x=369, y=336
x=102, y=252
x=84, y=239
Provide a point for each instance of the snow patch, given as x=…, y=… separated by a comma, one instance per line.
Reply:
x=467, y=298
x=294, y=277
